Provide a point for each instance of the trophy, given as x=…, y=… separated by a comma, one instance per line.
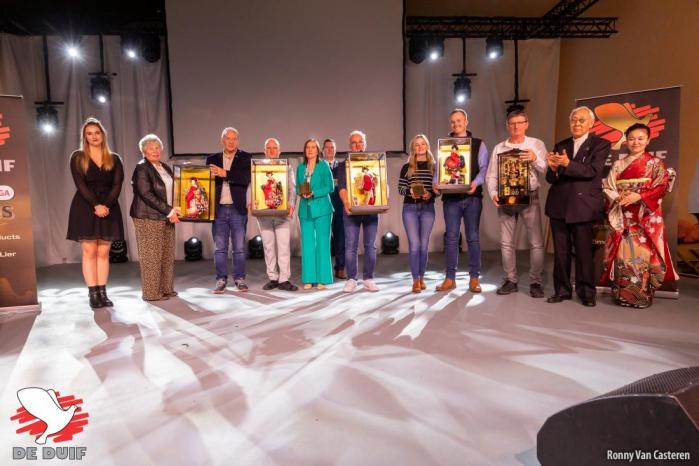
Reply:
x=305, y=188
x=513, y=179
x=417, y=188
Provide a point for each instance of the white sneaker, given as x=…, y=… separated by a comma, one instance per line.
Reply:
x=370, y=285
x=350, y=286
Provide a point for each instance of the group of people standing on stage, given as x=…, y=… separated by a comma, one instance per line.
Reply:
x=637, y=262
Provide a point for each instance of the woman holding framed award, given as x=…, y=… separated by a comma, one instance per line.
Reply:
x=94, y=219
x=314, y=185
x=415, y=185
x=637, y=258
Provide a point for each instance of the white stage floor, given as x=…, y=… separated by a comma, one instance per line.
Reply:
x=321, y=377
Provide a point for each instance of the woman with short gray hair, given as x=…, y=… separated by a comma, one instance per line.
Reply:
x=154, y=219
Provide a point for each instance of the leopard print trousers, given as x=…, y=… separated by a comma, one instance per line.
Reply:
x=156, y=252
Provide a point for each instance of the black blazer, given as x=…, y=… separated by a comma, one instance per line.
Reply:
x=149, y=194
x=576, y=190
x=238, y=178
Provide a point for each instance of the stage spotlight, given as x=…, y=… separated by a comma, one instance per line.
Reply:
x=150, y=47
x=118, y=252
x=436, y=48
x=390, y=243
x=417, y=49
x=100, y=89
x=514, y=107
x=255, y=249
x=47, y=118
x=493, y=47
x=192, y=249
x=73, y=51
x=462, y=89
x=130, y=46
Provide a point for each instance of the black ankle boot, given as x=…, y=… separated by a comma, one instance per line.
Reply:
x=103, y=296
x=94, y=294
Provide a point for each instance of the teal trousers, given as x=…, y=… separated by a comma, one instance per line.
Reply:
x=316, y=266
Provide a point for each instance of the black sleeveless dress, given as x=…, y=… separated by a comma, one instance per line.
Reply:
x=95, y=187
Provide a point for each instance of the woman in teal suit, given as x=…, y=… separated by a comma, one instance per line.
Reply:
x=315, y=216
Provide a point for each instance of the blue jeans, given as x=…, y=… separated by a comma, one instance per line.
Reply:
x=352, y=224
x=338, y=232
x=468, y=209
x=229, y=224
x=418, y=220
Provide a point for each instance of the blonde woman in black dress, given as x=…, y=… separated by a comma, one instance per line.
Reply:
x=95, y=217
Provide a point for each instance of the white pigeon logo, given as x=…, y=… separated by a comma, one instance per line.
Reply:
x=43, y=405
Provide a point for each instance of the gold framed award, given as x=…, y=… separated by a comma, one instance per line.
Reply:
x=193, y=190
x=513, y=179
x=367, y=189
x=269, y=187
x=417, y=188
x=454, y=162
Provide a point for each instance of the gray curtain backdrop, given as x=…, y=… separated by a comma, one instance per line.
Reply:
x=139, y=106
x=430, y=98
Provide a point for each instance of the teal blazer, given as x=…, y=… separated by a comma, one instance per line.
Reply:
x=321, y=186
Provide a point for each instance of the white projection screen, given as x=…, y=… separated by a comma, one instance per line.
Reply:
x=290, y=69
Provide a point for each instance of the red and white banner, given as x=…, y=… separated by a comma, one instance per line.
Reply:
x=17, y=267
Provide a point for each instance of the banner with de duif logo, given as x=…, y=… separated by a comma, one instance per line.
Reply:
x=17, y=267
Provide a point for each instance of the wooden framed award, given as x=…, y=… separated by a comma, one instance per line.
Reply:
x=193, y=191
x=454, y=162
x=367, y=189
x=269, y=188
x=513, y=179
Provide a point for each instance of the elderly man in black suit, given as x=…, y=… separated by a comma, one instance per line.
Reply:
x=574, y=203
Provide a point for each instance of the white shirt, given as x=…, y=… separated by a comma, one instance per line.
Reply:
x=536, y=145
x=226, y=197
x=577, y=143
x=167, y=179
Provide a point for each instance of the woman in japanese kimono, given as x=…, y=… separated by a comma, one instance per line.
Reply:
x=637, y=258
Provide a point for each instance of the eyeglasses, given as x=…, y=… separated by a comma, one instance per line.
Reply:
x=578, y=120
x=515, y=123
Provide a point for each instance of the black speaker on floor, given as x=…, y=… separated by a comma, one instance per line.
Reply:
x=118, y=252
x=654, y=421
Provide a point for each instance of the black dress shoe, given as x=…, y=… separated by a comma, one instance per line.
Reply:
x=288, y=286
x=536, y=291
x=557, y=299
x=507, y=288
x=270, y=285
x=589, y=302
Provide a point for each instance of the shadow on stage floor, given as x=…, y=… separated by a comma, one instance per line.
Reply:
x=323, y=377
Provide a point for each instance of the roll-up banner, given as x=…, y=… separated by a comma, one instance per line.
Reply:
x=17, y=267
x=660, y=110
